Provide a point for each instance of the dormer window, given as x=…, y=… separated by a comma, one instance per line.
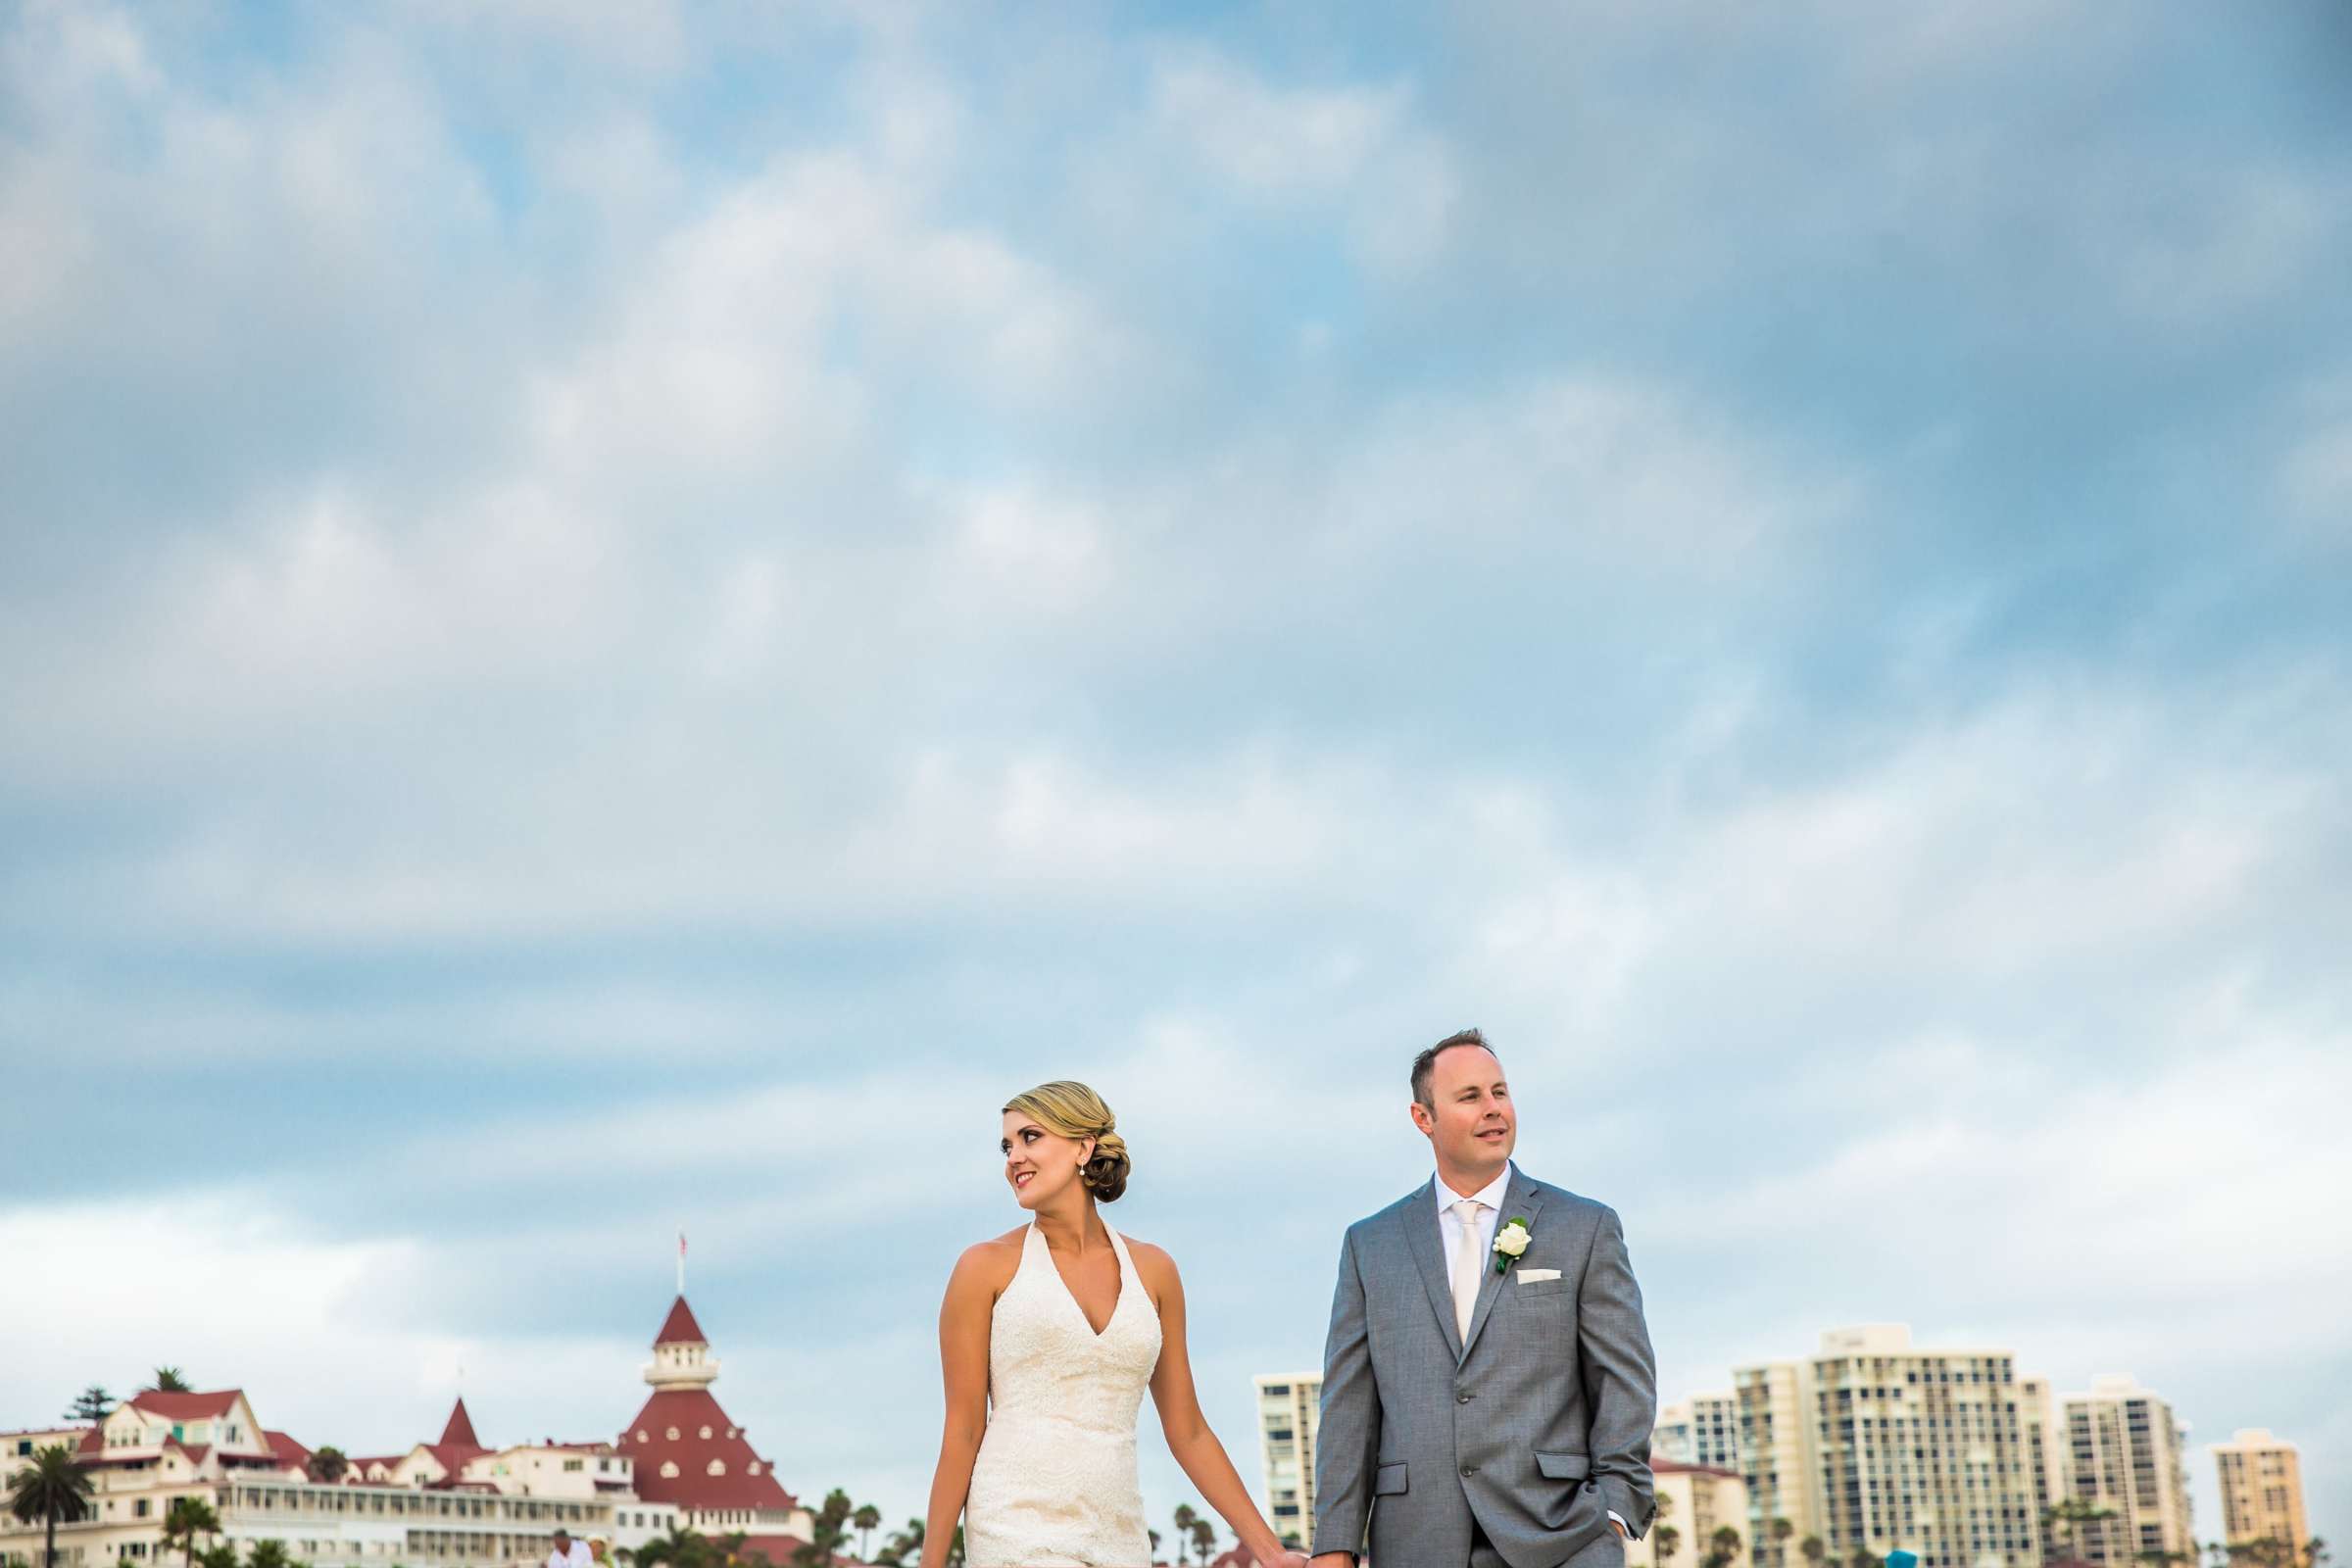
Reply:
x=670, y=1470
x=706, y=1434
x=752, y=1469
x=673, y=1434
x=718, y=1467
x=641, y=1436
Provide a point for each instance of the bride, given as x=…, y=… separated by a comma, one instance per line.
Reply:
x=1049, y=1336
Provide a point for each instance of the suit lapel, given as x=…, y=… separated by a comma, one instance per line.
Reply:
x=1522, y=1199
x=1421, y=1235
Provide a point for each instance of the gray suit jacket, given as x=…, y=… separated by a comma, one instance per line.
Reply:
x=1537, y=1428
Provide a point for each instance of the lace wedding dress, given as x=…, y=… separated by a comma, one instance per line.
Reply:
x=1054, y=1485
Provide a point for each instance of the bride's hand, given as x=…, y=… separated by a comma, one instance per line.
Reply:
x=1288, y=1559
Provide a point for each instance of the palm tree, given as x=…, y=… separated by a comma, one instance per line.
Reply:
x=51, y=1488
x=1812, y=1550
x=895, y=1551
x=185, y=1520
x=865, y=1521
x=328, y=1464
x=2316, y=1553
x=1780, y=1530
x=1204, y=1539
x=269, y=1554
x=680, y=1548
x=224, y=1555
x=1727, y=1545
x=1665, y=1538
x=91, y=1405
x=169, y=1381
x=1184, y=1529
x=1155, y=1535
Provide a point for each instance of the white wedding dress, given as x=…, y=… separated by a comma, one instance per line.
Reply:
x=1054, y=1485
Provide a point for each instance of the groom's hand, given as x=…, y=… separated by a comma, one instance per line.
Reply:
x=1618, y=1524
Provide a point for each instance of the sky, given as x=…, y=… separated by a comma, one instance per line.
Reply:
x=618, y=618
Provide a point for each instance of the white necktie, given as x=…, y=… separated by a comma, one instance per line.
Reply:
x=1466, y=1264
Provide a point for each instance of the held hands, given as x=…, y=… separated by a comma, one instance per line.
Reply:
x=1332, y=1560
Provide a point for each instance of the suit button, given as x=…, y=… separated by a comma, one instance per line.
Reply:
x=1461, y=1399
x=1469, y=1470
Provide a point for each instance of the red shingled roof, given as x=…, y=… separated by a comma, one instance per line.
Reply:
x=187, y=1406
x=680, y=1328
x=459, y=1430
x=693, y=1485
x=286, y=1449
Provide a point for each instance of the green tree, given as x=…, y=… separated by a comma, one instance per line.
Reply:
x=829, y=1530
x=269, y=1554
x=185, y=1520
x=906, y=1544
x=680, y=1548
x=1665, y=1539
x=1723, y=1547
x=1812, y=1550
x=1155, y=1535
x=1204, y=1539
x=222, y=1555
x=91, y=1405
x=329, y=1464
x=865, y=1521
x=168, y=1381
x=53, y=1489
x=1862, y=1557
x=1779, y=1531
x=1184, y=1529
x=2316, y=1553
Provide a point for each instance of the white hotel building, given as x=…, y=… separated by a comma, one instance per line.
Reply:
x=453, y=1503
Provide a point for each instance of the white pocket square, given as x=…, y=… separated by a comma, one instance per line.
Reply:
x=1529, y=1276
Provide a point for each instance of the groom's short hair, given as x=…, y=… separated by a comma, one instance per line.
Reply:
x=1425, y=1066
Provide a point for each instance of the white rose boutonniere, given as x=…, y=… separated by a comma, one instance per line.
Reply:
x=1509, y=1242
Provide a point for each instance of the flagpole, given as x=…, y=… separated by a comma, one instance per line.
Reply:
x=681, y=1262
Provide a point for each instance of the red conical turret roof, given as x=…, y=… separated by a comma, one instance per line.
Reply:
x=679, y=1328
x=459, y=1434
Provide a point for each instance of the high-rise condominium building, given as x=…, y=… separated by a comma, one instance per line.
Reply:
x=1702, y=1430
x=2262, y=1488
x=1289, y=1407
x=2124, y=1454
x=2045, y=1441
x=1872, y=1444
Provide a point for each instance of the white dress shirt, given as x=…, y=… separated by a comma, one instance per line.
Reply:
x=1450, y=1233
x=579, y=1557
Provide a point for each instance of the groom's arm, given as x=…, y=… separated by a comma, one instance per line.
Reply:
x=1621, y=1377
x=1347, y=1430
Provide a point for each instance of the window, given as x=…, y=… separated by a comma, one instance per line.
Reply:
x=718, y=1467
x=670, y=1470
x=671, y=1434
x=706, y=1434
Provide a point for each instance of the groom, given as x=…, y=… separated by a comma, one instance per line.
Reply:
x=1482, y=1407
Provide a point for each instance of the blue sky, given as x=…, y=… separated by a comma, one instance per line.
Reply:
x=620, y=615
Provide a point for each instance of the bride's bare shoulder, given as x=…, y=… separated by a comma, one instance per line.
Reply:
x=1157, y=1268
x=992, y=1263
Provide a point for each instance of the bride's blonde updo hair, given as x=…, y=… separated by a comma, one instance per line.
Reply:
x=1069, y=1109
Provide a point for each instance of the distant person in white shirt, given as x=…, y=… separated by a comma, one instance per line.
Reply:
x=568, y=1553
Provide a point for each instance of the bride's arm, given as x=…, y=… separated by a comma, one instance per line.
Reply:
x=1196, y=1448
x=964, y=1322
